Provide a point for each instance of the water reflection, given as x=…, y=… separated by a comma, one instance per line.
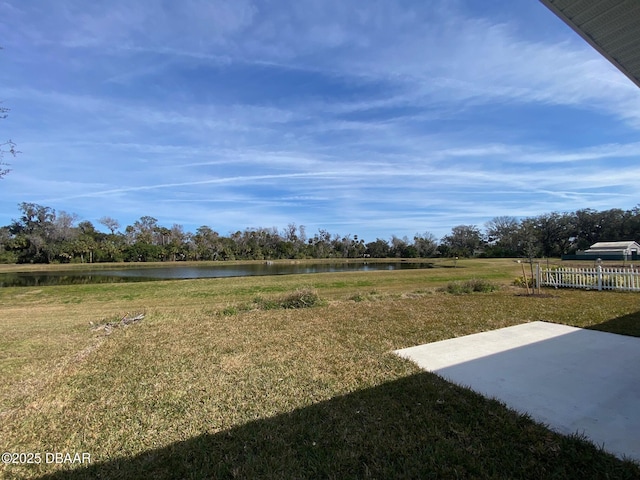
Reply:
x=24, y=279
x=144, y=274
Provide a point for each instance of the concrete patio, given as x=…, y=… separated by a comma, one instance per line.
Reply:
x=572, y=379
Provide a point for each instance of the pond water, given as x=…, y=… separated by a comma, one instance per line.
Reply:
x=145, y=274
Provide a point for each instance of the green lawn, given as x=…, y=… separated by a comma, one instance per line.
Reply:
x=217, y=382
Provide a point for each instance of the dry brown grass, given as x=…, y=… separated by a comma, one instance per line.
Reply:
x=189, y=374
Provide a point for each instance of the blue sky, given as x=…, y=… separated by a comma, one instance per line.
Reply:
x=370, y=118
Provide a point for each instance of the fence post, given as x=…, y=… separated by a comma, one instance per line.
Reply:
x=599, y=277
x=538, y=277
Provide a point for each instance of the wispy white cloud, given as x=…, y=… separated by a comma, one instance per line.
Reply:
x=373, y=118
x=531, y=154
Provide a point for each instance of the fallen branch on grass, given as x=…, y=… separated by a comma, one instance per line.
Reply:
x=129, y=320
x=123, y=322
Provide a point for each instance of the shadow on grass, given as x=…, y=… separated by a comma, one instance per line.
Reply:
x=417, y=427
x=624, y=325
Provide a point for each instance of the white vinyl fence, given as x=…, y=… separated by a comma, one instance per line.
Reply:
x=596, y=278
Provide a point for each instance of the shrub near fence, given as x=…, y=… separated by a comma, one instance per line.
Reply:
x=598, y=278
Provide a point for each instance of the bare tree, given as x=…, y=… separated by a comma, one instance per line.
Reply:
x=111, y=223
x=63, y=225
x=503, y=235
x=425, y=244
x=6, y=148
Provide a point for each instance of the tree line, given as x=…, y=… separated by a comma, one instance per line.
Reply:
x=42, y=235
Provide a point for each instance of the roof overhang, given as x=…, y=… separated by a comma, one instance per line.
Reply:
x=612, y=27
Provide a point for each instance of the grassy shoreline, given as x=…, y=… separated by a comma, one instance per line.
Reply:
x=202, y=390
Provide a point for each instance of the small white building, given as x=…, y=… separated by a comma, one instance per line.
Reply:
x=628, y=249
